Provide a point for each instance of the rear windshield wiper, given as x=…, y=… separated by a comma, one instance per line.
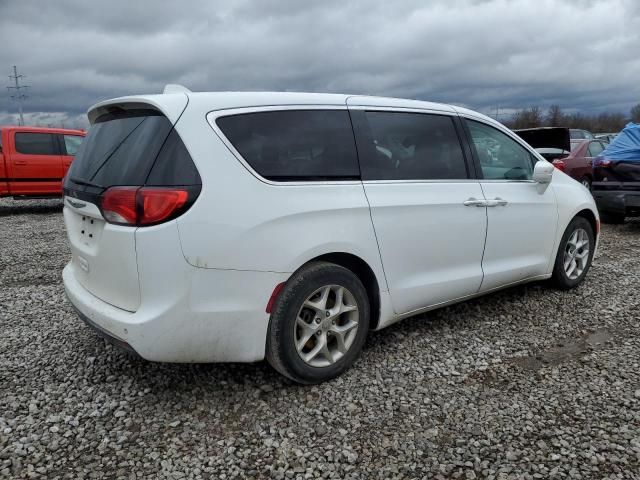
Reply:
x=87, y=183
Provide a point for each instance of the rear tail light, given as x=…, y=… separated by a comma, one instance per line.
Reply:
x=144, y=206
x=602, y=162
x=559, y=164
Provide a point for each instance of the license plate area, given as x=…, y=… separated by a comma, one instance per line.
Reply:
x=88, y=230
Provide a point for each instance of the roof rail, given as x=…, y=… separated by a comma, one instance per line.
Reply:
x=175, y=88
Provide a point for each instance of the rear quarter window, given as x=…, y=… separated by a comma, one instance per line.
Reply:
x=29, y=143
x=295, y=145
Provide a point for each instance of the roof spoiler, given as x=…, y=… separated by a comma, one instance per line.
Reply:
x=175, y=88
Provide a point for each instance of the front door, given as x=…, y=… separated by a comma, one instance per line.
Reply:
x=425, y=206
x=522, y=214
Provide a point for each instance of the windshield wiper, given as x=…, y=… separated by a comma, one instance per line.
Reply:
x=87, y=183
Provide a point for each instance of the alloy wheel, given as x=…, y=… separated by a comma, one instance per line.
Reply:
x=576, y=254
x=326, y=325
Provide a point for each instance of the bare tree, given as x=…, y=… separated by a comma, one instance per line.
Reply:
x=555, y=116
x=604, y=122
x=527, y=118
x=635, y=113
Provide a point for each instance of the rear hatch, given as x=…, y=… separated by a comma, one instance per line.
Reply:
x=131, y=160
x=551, y=138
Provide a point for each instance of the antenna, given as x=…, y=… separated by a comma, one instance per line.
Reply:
x=19, y=96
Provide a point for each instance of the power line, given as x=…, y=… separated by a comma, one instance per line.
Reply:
x=19, y=96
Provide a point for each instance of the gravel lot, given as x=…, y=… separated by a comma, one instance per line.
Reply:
x=526, y=383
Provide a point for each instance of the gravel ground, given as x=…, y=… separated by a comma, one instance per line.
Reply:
x=526, y=383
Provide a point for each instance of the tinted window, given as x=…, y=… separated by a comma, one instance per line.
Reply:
x=36, y=143
x=294, y=145
x=121, y=149
x=71, y=143
x=173, y=165
x=500, y=156
x=412, y=146
x=595, y=148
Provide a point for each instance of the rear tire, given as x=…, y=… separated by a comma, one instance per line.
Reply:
x=612, y=218
x=319, y=323
x=575, y=254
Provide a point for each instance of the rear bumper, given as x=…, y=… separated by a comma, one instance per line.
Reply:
x=116, y=342
x=618, y=201
x=214, y=316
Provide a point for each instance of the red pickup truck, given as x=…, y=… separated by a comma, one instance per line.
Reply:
x=34, y=160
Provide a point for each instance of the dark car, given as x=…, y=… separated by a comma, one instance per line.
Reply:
x=616, y=182
x=573, y=157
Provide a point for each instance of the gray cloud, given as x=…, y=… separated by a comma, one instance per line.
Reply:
x=581, y=54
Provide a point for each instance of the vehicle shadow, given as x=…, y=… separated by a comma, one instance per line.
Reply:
x=29, y=207
x=260, y=378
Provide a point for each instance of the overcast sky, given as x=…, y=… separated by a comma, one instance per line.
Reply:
x=581, y=54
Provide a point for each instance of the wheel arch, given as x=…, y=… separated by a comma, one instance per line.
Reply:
x=588, y=215
x=364, y=272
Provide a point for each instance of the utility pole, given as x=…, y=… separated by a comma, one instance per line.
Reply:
x=19, y=96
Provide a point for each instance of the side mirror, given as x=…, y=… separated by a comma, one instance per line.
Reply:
x=543, y=172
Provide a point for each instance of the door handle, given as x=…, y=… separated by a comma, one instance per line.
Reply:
x=496, y=202
x=474, y=202
x=20, y=162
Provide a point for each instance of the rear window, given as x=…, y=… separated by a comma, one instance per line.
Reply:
x=595, y=149
x=36, y=143
x=71, y=144
x=136, y=147
x=292, y=145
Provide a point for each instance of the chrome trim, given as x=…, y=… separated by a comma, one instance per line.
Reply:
x=393, y=182
x=374, y=108
x=474, y=202
x=76, y=204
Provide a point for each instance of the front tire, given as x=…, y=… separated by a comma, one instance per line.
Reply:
x=319, y=323
x=575, y=254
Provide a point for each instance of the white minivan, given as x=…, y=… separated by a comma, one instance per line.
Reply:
x=233, y=227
